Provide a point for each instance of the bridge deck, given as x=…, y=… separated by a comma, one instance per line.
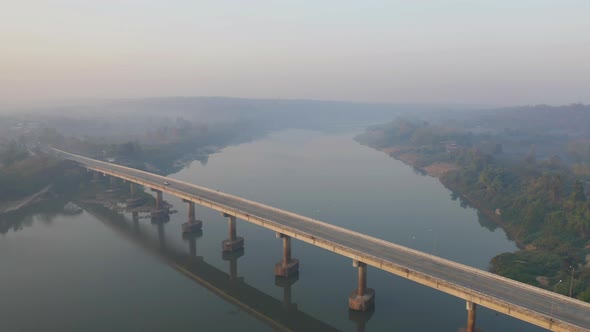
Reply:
x=537, y=306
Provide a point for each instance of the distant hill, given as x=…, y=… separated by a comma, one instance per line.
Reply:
x=572, y=120
x=129, y=118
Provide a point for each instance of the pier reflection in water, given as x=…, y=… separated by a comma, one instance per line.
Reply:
x=279, y=314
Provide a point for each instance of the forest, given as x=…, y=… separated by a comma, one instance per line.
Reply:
x=540, y=195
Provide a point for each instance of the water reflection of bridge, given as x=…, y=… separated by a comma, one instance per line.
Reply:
x=281, y=315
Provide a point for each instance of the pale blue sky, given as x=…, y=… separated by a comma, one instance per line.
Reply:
x=463, y=51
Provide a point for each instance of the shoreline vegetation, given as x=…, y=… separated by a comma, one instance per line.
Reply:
x=542, y=205
x=26, y=166
x=35, y=182
x=85, y=191
x=33, y=179
x=438, y=170
x=12, y=206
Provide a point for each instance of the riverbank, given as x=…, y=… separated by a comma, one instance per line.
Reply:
x=9, y=207
x=439, y=170
x=490, y=214
x=542, y=205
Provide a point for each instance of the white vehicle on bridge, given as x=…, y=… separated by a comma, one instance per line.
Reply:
x=166, y=183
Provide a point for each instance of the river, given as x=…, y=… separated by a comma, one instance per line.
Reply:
x=96, y=271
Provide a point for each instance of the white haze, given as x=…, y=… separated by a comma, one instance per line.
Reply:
x=442, y=51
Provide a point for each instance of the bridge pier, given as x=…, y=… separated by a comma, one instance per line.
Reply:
x=363, y=298
x=470, y=306
x=133, y=201
x=288, y=266
x=192, y=225
x=160, y=214
x=159, y=198
x=191, y=210
x=234, y=242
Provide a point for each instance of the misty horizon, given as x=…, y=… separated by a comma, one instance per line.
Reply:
x=496, y=53
x=59, y=105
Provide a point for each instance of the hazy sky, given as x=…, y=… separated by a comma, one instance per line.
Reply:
x=464, y=51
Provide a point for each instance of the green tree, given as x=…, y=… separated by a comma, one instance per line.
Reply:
x=13, y=153
x=578, y=194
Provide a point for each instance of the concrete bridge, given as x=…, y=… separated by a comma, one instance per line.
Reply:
x=540, y=307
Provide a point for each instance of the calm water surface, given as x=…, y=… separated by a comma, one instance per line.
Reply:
x=100, y=271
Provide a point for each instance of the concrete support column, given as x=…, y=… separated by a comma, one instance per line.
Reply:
x=470, y=306
x=286, y=249
x=231, y=221
x=363, y=298
x=288, y=266
x=362, y=283
x=113, y=181
x=159, y=199
x=192, y=225
x=191, y=211
x=133, y=201
x=234, y=242
x=160, y=214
